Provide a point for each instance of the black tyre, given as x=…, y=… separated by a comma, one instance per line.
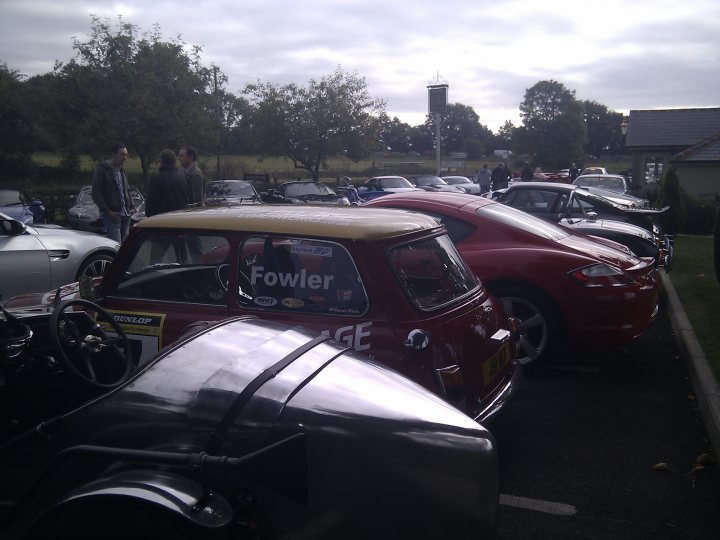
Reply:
x=539, y=323
x=94, y=266
x=123, y=522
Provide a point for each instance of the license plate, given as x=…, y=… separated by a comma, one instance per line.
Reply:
x=495, y=364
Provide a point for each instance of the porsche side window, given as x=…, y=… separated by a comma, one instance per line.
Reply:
x=432, y=272
x=177, y=268
x=299, y=275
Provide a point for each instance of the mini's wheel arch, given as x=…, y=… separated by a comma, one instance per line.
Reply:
x=172, y=496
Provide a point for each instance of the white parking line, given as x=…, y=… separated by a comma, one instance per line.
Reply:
x=547, y=507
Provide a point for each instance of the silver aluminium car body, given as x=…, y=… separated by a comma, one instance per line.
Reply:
x=42, y=257
x=368, y=453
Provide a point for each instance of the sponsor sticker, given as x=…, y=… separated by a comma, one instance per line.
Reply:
x=293, y=303
x=318, y=251
x=265, y=301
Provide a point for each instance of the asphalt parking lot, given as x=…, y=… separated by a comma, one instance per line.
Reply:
x=605, y=444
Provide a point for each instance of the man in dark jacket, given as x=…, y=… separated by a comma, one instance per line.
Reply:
x=110, y=193
x=527, y=175
x=167, y=191
x=499, y=177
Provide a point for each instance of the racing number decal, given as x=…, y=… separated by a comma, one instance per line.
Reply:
x=144, y=331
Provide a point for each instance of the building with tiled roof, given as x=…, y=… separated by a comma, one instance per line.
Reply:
x=688, y=139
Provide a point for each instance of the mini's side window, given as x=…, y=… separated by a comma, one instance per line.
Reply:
x=177, y=268
x=299, y=275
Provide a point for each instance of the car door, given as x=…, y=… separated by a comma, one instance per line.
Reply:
x=24, y=263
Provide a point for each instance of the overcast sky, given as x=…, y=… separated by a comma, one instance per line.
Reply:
x=625, y=54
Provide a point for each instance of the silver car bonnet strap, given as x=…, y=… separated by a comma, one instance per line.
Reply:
x=216, y=437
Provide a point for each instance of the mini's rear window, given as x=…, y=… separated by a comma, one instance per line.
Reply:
x=432, y=272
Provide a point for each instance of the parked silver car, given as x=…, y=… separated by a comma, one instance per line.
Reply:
x=41, y=257
x=84, y=215
x=245, y=429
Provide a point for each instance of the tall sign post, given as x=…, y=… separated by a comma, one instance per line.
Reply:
x=437, y=106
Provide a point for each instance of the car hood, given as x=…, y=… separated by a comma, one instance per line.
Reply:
x=587, y=225
x=232, y=201
x=607, y=251
x=47, y=230
x=88, y=208
x=316, y=198
x=618, y=198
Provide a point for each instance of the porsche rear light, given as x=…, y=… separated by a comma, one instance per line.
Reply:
x=601, y=275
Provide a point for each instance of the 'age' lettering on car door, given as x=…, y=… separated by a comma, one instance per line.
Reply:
x=353, y=336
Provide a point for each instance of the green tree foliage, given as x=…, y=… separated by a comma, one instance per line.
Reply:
x=505, y=138
x=460, y=123
x=396, y=136
x=333, y=116
x=16, y=124
x=604, y=136
x=555, y=131
x=671, y=195
x=137, y=89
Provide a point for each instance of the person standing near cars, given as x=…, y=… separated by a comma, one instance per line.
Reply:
x=573, y=173
x=526, y=175
x=194, y=176
x=110, y=192
x=484, y=176
x=167, y=191
x=499, y=177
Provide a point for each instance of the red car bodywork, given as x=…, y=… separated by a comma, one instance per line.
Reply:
x=509, y=249
x=405, y=275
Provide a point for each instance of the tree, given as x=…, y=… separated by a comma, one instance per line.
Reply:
x=460, y=123
x=16, y=125
x=671, y=195
x=335, y=115
x=140, y=90
x=555, y=129
x=505, y=136
x=603, y=129
x=396, y=136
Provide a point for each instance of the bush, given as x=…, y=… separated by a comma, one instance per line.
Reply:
x=700, y=216
x=670, y=195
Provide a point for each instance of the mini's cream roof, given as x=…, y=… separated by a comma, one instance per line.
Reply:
x=350, y=222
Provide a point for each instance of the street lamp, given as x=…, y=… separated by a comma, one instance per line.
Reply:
x=624, y=125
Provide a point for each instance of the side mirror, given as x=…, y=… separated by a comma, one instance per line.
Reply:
x=12, y=227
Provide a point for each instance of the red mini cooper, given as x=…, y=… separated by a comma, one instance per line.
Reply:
x=386, y=282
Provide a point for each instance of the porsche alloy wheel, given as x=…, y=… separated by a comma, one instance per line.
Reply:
x=537, y=323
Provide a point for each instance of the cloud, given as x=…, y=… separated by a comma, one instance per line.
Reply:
x=625, y=54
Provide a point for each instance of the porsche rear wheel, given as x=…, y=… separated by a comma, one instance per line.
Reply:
x=538, y=322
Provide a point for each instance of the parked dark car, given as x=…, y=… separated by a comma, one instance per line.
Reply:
x=84, y=215
x=304, y=192
x=565, y=203
x=560, y=286
x=19, y=205
x=244, y=429
x=430, y=182
x=231, y=193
